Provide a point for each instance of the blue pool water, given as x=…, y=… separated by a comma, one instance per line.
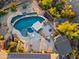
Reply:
x=24, y=23
x=15, y=18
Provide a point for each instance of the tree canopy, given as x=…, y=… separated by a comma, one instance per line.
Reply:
x=54, y=12
x=67, y=11
x=69, y=29
x=13, y=6
x=45, y=3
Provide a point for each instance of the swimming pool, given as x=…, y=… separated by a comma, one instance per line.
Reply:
x=26, y=22
x=16, y=17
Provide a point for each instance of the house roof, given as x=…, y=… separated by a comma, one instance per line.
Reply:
x=62, y=45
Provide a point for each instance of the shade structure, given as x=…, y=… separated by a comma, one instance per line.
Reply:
x=37, y=26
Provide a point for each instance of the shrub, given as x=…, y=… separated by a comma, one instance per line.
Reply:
x=68, y=12
x=2, y=12
x=13, y=6
x=69, y=29
x=46, y=4
x=53, y=12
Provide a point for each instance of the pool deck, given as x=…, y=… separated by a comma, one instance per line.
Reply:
x=24, y=39
x=35, y=8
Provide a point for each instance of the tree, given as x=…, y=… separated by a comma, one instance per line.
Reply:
x=67, y=12
x=20, y=47
x=54, y=12
x=13, y=6
x=59, y=5
x=3, y=12
x=1, y=37
x=12, y=47
x=63, y=1
x=46, y=4
x=74, y=54
x=69, y=29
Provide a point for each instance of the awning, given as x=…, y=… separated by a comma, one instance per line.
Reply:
x=37, y=26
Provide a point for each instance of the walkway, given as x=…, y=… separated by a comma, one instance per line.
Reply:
x=37, y=8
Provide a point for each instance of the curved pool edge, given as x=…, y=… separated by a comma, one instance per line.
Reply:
x=10, y=18
x=29, y=16
x=11, y=28
x=14, y=30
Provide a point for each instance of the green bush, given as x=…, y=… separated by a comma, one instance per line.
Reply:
x=46, y=4
x=59, y=6
x=2, y=12
x=13, y=7
x=53, y=12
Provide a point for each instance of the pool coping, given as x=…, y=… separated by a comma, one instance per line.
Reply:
x=15, y=31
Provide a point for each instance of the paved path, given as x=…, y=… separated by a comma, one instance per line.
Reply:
x=37, y=8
